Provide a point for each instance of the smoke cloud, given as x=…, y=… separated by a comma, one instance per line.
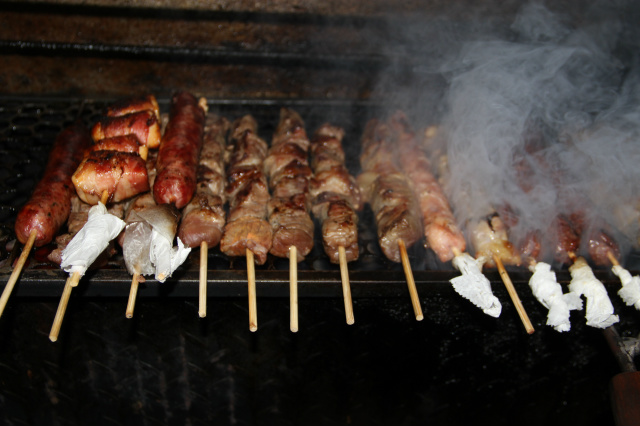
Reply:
x=543, y=120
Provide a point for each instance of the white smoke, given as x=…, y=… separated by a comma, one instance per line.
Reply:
x=546, y=121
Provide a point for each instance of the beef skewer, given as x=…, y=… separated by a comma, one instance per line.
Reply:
x=204, y=217
x=336, y=197
x=287, y=168
x=247, y=232
x=387, y=191
x=47, y=210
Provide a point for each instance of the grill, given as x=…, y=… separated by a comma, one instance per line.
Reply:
x=168, y=366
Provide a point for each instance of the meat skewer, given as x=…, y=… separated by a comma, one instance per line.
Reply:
x=287, y=167
x=336, y=197
x=543, y=281
x=386, y=189
x=492, y=247
x=154, y=225
x=204, y=217
x=82, y=251
x=114, y=167
x=442, y=234
x=47, y=210
x=247, y=232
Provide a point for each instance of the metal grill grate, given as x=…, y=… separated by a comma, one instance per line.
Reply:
x=34, y=123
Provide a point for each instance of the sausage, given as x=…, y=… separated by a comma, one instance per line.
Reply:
x=179, y=150
x=50, y=203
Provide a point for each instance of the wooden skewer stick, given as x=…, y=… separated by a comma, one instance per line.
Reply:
x=131, y=303
x=346, y=288
x=251, y=278
x=204, y=253
x=413, y=291
x=71, y=282
x=105, y=197
x=514, y=295
x=15, y=274
x=610, y=255
x=293, y=288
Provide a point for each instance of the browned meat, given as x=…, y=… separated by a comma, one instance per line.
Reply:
x=441, y=231
x=247, y=233
x=177, y=161
x=134, y=104
x=121, y=174
x=388, y=192
x=50, y=203
x=396, y=214
x=291, y=225
x=287, y=165
x=339, y=226
x=337, y=180
x=335, y=194
x=143, y=124
x=601, y=244
x=567, y=239
x=126, y=143
x=204, y=217
x=248, y=194
x=326, y=148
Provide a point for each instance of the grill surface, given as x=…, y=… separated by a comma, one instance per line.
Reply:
x=168, y=366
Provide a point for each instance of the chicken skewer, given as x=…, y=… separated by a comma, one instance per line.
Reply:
x=336, y=197
x=442, y=234
x=489, y=238
x=204, y=217
x=388, y=192
x=247, y=232
x=599, y=311
x=287, y=168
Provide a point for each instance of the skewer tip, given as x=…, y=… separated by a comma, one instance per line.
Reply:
x=253, y=327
